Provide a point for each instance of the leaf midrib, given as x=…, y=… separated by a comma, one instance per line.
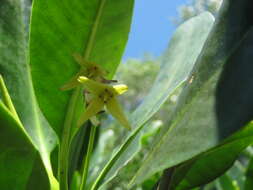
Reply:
x=69, y=118
x=94, y=30
x=72, y=106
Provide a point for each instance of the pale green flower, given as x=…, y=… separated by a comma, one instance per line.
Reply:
x=103, y=95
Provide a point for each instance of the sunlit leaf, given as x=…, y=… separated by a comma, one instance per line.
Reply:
x=219, y=83
x=174, y=71
x=228, y=151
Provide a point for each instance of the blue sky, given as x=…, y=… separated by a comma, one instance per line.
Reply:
x=151, y=27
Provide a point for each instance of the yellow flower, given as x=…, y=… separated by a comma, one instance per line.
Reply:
x=89, y=69
x=103, y=95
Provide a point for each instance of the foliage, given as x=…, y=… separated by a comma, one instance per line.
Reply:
x=64, y=140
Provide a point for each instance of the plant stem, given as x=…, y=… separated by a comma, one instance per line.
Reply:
x=114, y=159
x=65, y=144
x=87, y=158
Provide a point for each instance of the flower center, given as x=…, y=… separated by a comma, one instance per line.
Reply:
x=106, y=95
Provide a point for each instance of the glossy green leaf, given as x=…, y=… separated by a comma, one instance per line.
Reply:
x=217, y=99
x=15, y=72
x=97, y=30
x=17, y=152
x=192, y=33
x=38, y=179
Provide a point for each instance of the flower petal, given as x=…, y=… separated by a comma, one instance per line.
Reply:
x=93, y=108
x=120, y=89
x=91, y=85
x=114, y=108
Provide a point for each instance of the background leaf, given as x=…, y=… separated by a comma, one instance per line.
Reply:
x=15, y=71
x=171, y=76
x=202, y=115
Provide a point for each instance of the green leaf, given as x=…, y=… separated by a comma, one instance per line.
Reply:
x=97, y=29
x=204, y=168
x=217, y=99
x=15, y=72
x=38, y=176
x=192, y=33
x=17, y=153
x=191, y=173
